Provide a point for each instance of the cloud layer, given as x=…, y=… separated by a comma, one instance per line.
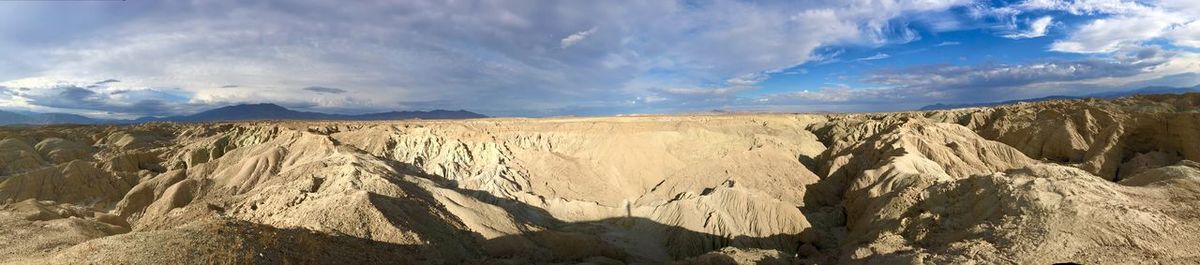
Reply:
x=546, y=58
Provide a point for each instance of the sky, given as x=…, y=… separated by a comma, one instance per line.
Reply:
x=128, y=59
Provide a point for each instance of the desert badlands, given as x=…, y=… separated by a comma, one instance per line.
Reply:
x=1080, y=181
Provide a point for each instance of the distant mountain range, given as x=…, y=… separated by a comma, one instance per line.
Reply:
x=265, y=111
x=49, y=118
x=1105, y=95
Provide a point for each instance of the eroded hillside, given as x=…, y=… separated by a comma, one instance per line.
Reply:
x=1059, y=181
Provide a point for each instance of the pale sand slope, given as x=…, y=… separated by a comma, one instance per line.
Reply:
x=1064, y=181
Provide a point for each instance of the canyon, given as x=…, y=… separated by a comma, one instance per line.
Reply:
x=1085, y=181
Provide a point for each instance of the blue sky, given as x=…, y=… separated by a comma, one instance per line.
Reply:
x=128, y=59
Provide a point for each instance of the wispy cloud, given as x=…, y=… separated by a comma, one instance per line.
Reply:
x=1036, y=28
x=1111, y=34
x=1003, y=75
x=1002, y=80
x=918, y=86
x=106, y=81
x=1187, y=35
x=325, y=90
x=576, y=38
x=877, y=56
x=120, y=101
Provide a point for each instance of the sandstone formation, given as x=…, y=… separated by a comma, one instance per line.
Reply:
x=1080, y=181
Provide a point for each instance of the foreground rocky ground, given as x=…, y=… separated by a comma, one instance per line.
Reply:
x=1092, y=182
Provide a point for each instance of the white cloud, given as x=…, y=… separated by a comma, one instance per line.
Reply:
x=1111, y=34
x=576, y=38
x=1085, y=7
x=830, y=94
x=1122, y=23
x=697, y=91
x=1037, y=28
x=1187, y=35
x=750, y=79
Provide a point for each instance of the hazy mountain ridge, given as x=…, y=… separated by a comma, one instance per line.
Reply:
x=942, y=106
x=7, y=117
x=262, y=111
x=1104, y=95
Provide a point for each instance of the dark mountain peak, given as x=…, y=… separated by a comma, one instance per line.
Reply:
x=259, y=111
